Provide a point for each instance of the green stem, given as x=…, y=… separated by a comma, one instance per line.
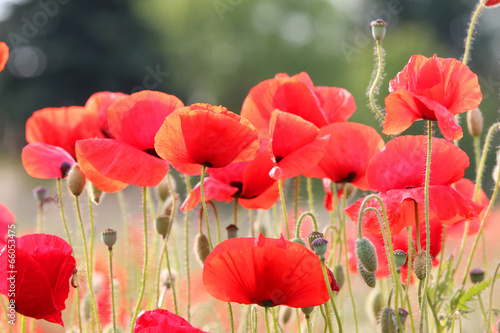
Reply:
x=146, y=254
x=87, y=265
x=310, y=194
x=217, y=223
x=91, y=216
x=299, y=222
x=123, y=209
x=253, y=314
x=379, y=53
x=298, y=319
x=297, y=184
x=23, y=323
x=408, y=278
x=39, y=224
x=268, y=329
x=235, y=212
x=332, y=301
x=186, y=251
x=308, y=323
x=172, y=282
x=470, y=33
x=6, y=312
x=204, y=204
x=283, y=206
x=231, y=319
x=110, y=256
x=417, y=227
x=490, y=305
x=61, y=208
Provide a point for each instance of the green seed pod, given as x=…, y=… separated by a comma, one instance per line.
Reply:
x=232, y=231
x=366, y=254
x=76, y=180
x=378, y=29
x=420, y=265
x=312, y=236
x=386, y=322
x=109, y=237
x=285, y=314
x=201, y=248
x=320, y=245
x=307, y=311
x=368, y=277
x=400, y=257
x=162, y=225
x=476, y=275
x=403, y=314
x=338, y=272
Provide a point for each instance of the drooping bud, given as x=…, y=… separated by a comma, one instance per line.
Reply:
x=163, y=189
x=76, y=180
x=307, y=311
x=232, y=231
x=475, y=122
x=109, y=237
x=320, y=246
x=476, y=275
x=312, y=236
x=95, y=194
x=285, y=314
x=162, y=225
x=338, y=272
x=378, y=29
x=300, y=241
x=366, y=254
x=368, y=277
x=374, y=305
x=420, y=265
x=403, y=314
x=496, y=168
x=386, y=322
x=40, y=194
x=201, y=248
x=400, y=257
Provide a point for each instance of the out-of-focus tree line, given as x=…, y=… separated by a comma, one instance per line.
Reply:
x=214, y=51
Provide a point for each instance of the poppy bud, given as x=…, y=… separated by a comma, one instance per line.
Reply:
x=400, y=257
x=165, y=278
x=109, y=237
x=403, y=314
x=76, y=180
x=300, y=241
x=163, y=189
x=40, y=194
x=476, y=275
x=320, y=246
x=232, y=231
x=95, y=194
x=162, y=225
x=378, y=29
x=312, y=236
x=201, y=248
x=386, y=322
x=368, y=277
x=374, y=305
x=420, y=266
x=475, y=122
x=307, y=311
x=86, y=307
x=366, y=254
x=338, y=272
x=285, y=314
x=495, y=169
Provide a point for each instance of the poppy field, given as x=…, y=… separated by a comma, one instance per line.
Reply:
x=285, y=216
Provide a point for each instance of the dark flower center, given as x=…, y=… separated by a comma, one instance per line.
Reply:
x=208, y=164
x=239, y=186
x=279, y=158
x=266, y=303
x=409, y=187
x=65, y=167
x=152, y=152
x=349, y=177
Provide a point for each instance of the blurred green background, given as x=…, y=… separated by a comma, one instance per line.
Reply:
x=215, y=51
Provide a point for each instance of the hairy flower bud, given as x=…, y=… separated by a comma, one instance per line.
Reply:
x=374, y=305
x=366, y=254
x=420, y=265
x=201, y=248
x=285, y=314
x=338, y=272
x=368, y=277
x=163, y=189
x=300, y=241
x=386, y=322
x=76, y=180
x=162, y=225
x=95, y=194
x=475, y=122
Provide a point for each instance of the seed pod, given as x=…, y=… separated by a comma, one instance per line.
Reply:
x=312, y=236
x=40, y=194
x=201, y=248
x=307, y=311
x=109, y=237
x=476, y=275
x=378, y=29
x=403, y=314
x=76, y=180
x=400, y=257
x=420, y=265
x=320, y=245
x=165, y=281
x=386, y=322
x=368, y=277
x=232, y=231
x=366, y=254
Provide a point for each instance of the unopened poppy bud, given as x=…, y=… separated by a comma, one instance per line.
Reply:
x=162, y=225
x=40, y=194
x=95, y=194
x=403, y=314
x=386, y=322
x=76, y=180
x=307, y=311
x=109, y=237
x=420, y=265
x=168, y=205
x=201, y=248
x=366, y=254
x=300, y=241
x=476, y=275
x=320, y=246
x=232, y=231
x=374, y=305
x=400, y=257
x=338, y=272
x=285, y=314
x=368, y=277
x=475, y=122
x=312, y=236
x=163, y=189
x=165, y=278
x=378, y=29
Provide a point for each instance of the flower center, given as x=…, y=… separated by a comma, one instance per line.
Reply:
x=266, y=303
x=239, y=186
x=151, y=151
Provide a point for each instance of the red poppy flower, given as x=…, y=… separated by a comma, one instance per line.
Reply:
x=160, y=320
x=296, y=145
x=296, y=95
x=265, y=271
x=434, y=89
x=7, y=218
x=42, y=270
x=400, y=242
x=4, y=55
x=467, y=187
x=96, y=120
x=205, y=135
x=44, y=161
x=398, y=173
x=492, y=3
x=248, y=181
x=349, y=150
x=130, y=158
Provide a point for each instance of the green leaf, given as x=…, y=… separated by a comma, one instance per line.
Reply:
x=469, y=294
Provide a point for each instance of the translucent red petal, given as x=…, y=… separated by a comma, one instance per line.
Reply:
x=44, y=161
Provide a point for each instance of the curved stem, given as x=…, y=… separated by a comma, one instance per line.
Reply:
x=327, y=281
x=146, y=257
x=299, y=222
x=490, y=305
x=110, y=256
x=310, y=194
x=186, y=251
x=379, y=53
x=470, y=33
x=217, y=224
x=204, y=204
x=283, y=206
x=231, y=319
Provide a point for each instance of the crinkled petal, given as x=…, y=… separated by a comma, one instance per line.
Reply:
x=44, y=161
x=213, y=188
x=337, y=103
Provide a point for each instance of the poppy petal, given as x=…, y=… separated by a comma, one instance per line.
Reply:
x=337, y=103
x=265, y=200
x=213, y=188
x=403, y=111
x=97, y=106
x=4, y=55
x=45, y=161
